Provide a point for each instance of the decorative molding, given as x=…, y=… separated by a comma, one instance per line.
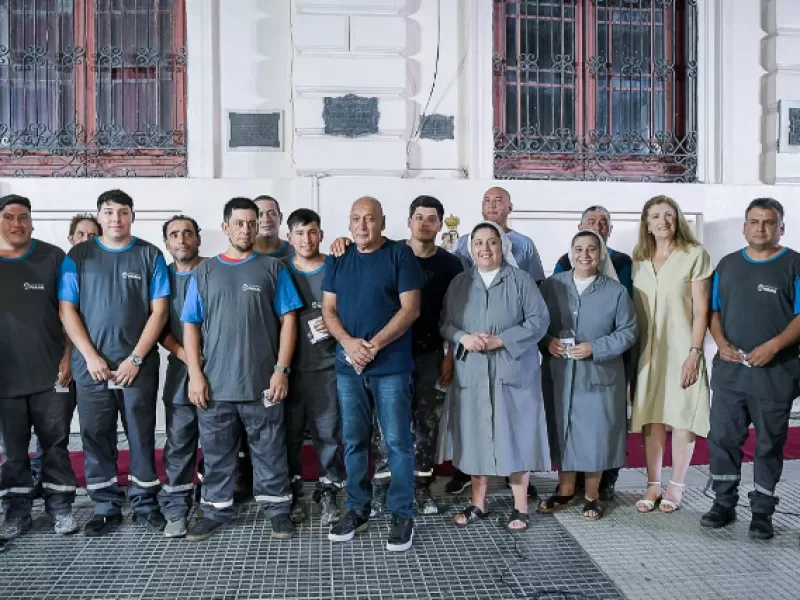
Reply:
x=479, y=90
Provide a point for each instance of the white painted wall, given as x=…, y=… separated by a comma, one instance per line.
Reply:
x=287, y=55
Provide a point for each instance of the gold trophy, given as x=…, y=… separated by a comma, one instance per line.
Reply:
x=450, y=237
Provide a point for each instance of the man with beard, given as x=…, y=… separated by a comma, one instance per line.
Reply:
x=432, y=370
x=34, y=374
x=270, y=219
x=239, y=336
x=114, y=303
x=182, y=239
x=313, y=400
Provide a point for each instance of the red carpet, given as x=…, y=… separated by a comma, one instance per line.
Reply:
x=635, y=457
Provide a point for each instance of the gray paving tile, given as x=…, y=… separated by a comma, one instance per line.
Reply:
x=243, y=562
x=670, y=556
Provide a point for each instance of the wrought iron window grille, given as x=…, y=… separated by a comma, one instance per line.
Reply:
x=595, y=90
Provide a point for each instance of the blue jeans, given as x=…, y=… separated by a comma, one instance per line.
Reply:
x=391, y=395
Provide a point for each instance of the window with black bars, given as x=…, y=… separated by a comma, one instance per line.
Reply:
x=595, y=90
x=92, y=88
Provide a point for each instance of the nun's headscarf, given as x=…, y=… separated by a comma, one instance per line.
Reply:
x=508, y=256
x=604, y=267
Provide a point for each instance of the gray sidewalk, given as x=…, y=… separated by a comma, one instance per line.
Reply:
x=624, y=555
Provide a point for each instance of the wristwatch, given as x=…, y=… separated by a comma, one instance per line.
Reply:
x=282, y=369
x=696, y=350
x=136, y=360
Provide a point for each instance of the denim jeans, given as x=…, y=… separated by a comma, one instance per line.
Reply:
x=391, y=396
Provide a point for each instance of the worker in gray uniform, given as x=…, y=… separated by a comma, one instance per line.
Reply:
x=239, y=336
x=114, y=303
x=182, y=239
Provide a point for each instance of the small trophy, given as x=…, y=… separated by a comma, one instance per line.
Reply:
x=450, y=237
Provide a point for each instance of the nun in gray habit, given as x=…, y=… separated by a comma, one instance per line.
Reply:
x=592, y=322
x=494, y=317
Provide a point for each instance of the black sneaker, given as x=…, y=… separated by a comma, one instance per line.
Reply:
x=152, y=521
x=100, y=525
x=330, y=510
x=459, y=482
x=282, y=527
x=378, y=500
x=718, y=516
x=346, y=529
x=401, y=534
x=203, y=529
x=761, y=527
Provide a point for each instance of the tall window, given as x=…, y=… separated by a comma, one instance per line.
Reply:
x=92, y=88
x=595, y=89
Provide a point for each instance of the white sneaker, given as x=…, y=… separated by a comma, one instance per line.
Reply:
x=65, y=524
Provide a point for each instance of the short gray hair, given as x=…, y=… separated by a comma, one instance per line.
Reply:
x=595, y=208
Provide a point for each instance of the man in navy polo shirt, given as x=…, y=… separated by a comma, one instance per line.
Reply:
x=756, y=376
x=114, y=302
x=371, y=297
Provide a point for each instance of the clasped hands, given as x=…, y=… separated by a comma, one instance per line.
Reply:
x=481, y=342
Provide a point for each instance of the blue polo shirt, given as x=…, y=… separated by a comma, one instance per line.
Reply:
x=368, y=288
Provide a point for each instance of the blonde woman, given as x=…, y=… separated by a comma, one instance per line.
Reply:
x=671, y=275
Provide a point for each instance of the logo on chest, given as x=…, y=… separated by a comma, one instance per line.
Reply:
x=131, y=276
x=39, y=287
x=251, y=287
x=767, y=288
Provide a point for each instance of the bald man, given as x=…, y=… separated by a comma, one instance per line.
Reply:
x=496, y=208
x=371, y=297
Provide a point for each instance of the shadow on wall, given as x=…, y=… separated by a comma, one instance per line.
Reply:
x=722, y=237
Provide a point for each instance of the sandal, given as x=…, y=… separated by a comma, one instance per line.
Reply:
x=592, y=506
x=471, y=514
x=517, y=516
x=554, y=503
x=670, y=506
x=645, y=505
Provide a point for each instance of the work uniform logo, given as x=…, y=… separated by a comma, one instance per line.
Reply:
x=248, y=287
x=767, y=288
x=33, y=286
x=134, y=276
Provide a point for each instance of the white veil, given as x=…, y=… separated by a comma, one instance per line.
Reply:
x=508, y=256
x=605, y=267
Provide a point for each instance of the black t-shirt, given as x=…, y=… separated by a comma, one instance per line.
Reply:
x=438, y=271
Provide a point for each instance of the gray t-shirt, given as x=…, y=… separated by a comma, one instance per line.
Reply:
x=309, y=356
x=177, y=373
x=238, y=305
x=31, y=337
x=113, y=289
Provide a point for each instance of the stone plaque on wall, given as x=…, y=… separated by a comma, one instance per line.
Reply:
x=351, y=115
x=437, y=127
x=255, y=130
x=794, y=127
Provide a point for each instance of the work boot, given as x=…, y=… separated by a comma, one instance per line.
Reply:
x=330, y=510
x=718, y=516
x=761, y=527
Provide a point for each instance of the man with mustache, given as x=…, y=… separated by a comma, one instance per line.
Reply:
x=239, y=316
x=182, y=239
